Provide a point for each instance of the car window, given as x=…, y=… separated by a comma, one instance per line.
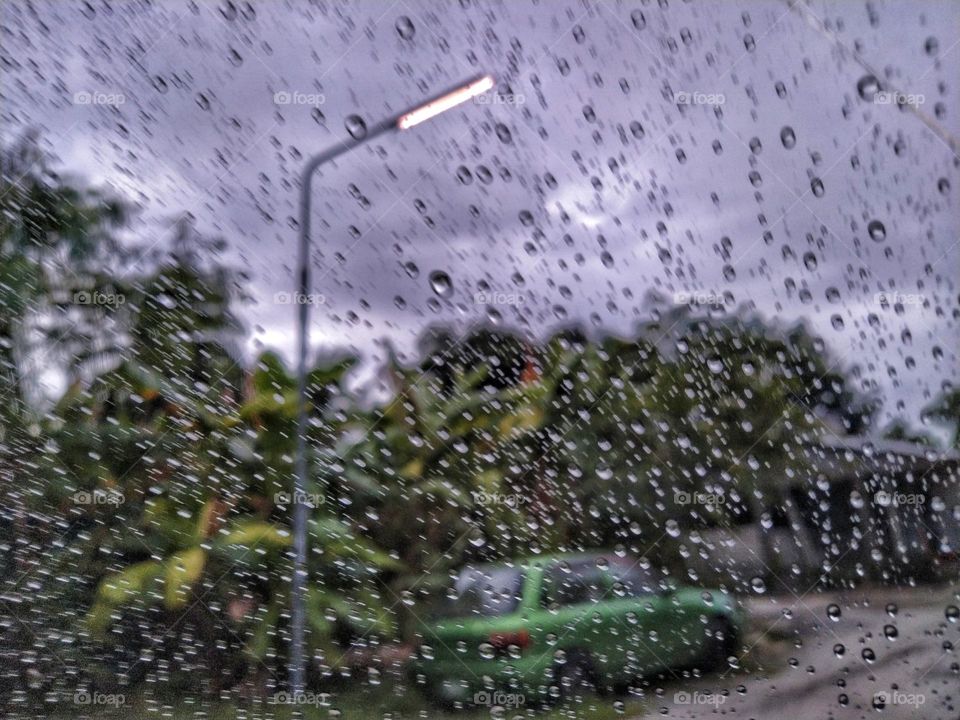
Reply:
x=574, y=584
x=483, y=592
x=632, y=581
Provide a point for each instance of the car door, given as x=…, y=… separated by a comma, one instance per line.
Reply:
x=574, y=594
x=648, y=631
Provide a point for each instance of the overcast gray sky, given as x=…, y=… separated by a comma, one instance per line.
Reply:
x=623, y=144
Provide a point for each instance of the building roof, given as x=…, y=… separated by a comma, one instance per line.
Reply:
x=871, y=447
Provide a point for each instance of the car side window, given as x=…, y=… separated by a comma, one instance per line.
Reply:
x=576, y=584
x=632, y=582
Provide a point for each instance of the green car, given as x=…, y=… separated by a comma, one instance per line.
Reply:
x=537, y=630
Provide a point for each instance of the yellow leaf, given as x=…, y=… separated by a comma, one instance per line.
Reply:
x=183, y=571
x=256, y=532
x=413, y=469
x=211, y=518
x=528, y=418
x=117, y=588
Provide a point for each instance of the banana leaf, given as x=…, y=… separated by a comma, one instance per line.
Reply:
x=183, y=570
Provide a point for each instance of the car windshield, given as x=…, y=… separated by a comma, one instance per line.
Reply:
x=480, y=592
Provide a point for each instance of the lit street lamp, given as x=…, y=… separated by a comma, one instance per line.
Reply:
x=403, y=121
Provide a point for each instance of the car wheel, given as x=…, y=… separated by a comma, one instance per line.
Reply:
x=720, y=643
x=575, y=676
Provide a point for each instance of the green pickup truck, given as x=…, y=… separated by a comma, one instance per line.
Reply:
x=539, y=630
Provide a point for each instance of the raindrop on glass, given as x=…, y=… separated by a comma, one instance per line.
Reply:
x=867, y=87
x=876, y=230
x=441, y=283
x=788, y=137
x=405, y=28
x=356, y=126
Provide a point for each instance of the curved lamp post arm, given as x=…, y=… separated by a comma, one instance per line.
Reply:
x=303, y=262
x=403, y=121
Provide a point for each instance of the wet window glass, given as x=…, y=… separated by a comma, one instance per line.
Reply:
x=469, y=358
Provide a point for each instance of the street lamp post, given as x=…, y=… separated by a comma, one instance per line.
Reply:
x=404, y=121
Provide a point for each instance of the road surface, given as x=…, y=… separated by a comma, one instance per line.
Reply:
x=893, y=657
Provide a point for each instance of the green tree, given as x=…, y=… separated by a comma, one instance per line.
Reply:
x=51, y=230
